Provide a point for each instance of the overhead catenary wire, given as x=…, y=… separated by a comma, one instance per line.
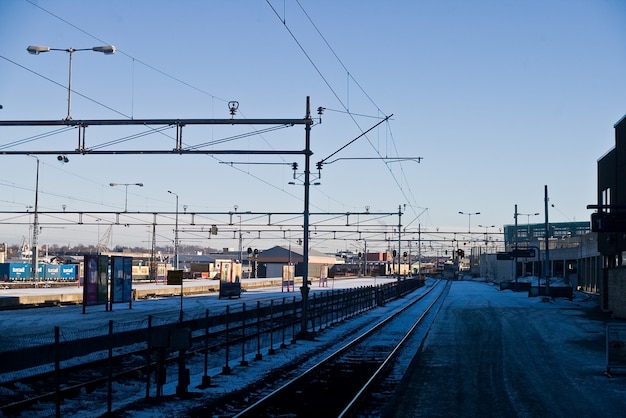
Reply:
x=344, y=105
x=209, y=94
x=134, y=59
x=36, y=137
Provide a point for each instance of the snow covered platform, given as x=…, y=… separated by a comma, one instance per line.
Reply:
x=46, y=295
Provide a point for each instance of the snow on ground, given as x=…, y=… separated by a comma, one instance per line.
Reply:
x=564, y=321
x=36, y=321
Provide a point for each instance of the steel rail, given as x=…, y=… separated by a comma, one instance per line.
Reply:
x=253, y=409
x=391, y=355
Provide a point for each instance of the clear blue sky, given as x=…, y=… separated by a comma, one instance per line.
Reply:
x=499, y=98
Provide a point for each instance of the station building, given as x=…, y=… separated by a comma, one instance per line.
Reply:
x=590, y=256
x=572, y=255
x=609, y=222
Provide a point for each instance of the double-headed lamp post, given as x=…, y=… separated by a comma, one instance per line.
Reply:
x=175, y=231
x=36, y=50
x=469, y=219
x=528, y=215
x=486, y=229
x=126, y=193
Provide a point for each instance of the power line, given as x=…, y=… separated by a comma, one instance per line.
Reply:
x=214, y=97
x=345, y=106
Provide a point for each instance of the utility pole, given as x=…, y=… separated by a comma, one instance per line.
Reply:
x=515, y=259
x=399, y=239
x=153, y=267
x=365, y=258
x=304, y=290
x=547, y=252
x=175, y=232
x=35, y=250
x=419, y=250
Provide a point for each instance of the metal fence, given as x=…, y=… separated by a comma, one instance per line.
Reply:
x=240, y=332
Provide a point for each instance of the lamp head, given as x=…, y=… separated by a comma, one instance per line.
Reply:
x=106, y=49
x=36, y=50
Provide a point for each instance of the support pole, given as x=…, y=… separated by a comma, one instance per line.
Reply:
x=399, y=239
x=515, y=259
x=547, y=251
x=35, y=249
x=419, y=251
x=304, y=290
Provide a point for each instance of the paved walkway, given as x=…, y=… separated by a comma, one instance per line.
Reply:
x=496, y=353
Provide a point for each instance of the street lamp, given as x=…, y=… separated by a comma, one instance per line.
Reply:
x=36, y=50
x=175, y=231
x=486, y=228
x=528, y=215
x=469, y=218
x=126, y=194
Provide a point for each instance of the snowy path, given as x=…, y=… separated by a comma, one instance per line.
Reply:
x=498, y=353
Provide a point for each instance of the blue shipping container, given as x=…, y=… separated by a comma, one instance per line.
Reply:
x=15, y=271
x=68, y=272
x=51, y=272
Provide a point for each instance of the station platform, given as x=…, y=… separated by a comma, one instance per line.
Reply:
x=34, y=294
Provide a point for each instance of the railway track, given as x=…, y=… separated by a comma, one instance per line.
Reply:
x=130, y=363
x=338, y=385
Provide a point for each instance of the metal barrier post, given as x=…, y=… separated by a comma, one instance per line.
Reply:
x=271, y=350
x=206, y=379
x=243, y=361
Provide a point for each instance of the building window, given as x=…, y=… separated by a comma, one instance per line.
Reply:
x=606, y=199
